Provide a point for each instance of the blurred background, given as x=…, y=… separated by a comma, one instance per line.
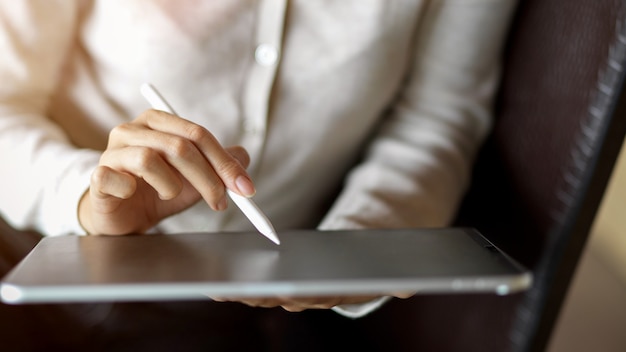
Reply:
x=593, y=317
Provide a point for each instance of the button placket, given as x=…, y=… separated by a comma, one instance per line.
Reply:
x=259, y=83
x=266, y=54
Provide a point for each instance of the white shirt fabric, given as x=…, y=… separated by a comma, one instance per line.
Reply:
x=355, y=113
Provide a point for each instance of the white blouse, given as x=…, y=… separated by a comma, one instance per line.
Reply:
x=356, y=113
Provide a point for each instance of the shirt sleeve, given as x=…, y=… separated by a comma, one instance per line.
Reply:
x=417, y=167
x=44, y=175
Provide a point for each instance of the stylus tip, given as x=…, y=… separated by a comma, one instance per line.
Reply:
x=273, y=237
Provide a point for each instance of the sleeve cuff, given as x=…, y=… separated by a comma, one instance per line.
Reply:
x=62, y=218
x=361, y=309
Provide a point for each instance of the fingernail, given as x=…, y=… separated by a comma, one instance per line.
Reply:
x=245, y=186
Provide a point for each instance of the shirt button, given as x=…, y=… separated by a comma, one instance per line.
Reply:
x=266, y=55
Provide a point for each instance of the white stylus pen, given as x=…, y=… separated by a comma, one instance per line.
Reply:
x=247, y=206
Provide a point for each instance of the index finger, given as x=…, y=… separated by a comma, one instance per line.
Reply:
x=226, y=166
x=241, y=183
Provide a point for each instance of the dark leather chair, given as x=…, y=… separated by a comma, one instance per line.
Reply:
x=538, y=182
x=561, y=124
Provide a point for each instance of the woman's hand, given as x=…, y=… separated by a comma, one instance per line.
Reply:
x=156, y=166
x=298, y=304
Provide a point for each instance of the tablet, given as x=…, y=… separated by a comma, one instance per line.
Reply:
x=189, y=266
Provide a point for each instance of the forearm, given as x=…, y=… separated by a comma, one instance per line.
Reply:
x=43, y=173
x=418, y=166
x=44, y=176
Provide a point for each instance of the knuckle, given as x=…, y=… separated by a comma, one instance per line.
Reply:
x=119, y=131
x=229, y=167
x=240, y=154
x=103, y=183
x=197, y=133
x=217, y=189
x=99, y=177
x=181, y=148
x=145, y=115
x=145, y=158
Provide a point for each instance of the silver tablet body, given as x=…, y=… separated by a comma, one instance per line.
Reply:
x=307, y=263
